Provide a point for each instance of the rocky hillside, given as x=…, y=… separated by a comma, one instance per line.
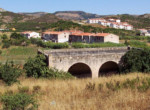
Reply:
x=75, y=15
x=36, y=14
x=27, y=20
x=2, y=10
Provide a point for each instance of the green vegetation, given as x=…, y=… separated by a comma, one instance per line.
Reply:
x=18, y=101
x=136, y=60
x=134, y=38
x=96, y=45
x=18, y=54
x=9, y=73
x=137, y=44
x=136, y=21
x=37, y=68
x=142, y=85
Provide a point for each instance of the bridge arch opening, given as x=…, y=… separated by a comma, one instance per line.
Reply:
x=80, y=70
x=109, y=68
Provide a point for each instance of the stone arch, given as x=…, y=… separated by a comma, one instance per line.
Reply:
x=80, y=70
x=109, y=68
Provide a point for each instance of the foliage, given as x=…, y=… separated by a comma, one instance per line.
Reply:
x=96, y=45
x=0, y=52
x=4, y=36
x=136, y=60
x=138, y=44
x=18, y=101
x=54, y=45
x=9, y=73
x=24, y=89
x=34, y=66
x=142, y=85
x=6, y=43
x=136, y=21
x=134, y=37
x=19, y=40
x=37, y=67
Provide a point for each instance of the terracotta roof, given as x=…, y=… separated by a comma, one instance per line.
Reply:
x=97, y=19
x=82, y=34
x=26, y=32
x=102, y=34
x=53, y=32
x=90, y=34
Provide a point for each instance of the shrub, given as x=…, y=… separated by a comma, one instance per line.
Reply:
x=136, y=60
x=96, y=45
x=90, y=86
x=16, y=36
x=138, y=44
x=6, y=43
x=55, y=45
x=34, y=66
x=37, y=67
x=9, y=73
x=36, y=89
x=24, y=89
x=53, y=73
x=18, y=101
x=0, y=52
x=4, y=36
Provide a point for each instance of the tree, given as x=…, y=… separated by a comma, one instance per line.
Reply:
x=9, y=73
x=136, y=60
x=35, y=66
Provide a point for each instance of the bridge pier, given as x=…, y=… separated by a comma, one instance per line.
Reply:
x=95, y=72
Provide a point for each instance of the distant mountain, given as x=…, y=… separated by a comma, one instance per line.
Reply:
x=75, y=15
x=35, y=14
x=145, y=16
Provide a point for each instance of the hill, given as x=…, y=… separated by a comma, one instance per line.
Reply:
x=2, y=10
x=20, y=20
x=138, y=21
x=75, y=15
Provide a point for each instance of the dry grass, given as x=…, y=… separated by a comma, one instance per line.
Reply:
x=72, y=95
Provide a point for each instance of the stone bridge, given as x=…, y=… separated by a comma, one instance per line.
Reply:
x=89, y=62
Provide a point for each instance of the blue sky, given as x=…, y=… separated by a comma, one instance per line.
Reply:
x=102, y=7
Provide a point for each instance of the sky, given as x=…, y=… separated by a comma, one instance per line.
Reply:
x=101, y=7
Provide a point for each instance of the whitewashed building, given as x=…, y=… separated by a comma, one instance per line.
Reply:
x=29, y=34
x=59, y=37
x=113, y=23
x=95, y=20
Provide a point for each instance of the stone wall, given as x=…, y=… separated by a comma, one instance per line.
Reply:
x=94, y=57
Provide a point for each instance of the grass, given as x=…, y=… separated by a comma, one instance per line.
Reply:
x=96, y=45
x=18, y=54
x=74, y=95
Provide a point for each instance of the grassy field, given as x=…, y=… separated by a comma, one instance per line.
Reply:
x=18, y=54
x=74, y=94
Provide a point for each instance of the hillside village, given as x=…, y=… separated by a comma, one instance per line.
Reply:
x=73, y=36
x=112, y=23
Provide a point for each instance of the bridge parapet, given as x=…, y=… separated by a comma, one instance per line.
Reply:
x=84, y=51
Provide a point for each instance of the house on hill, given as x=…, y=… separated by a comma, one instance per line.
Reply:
x=29, y=34
x=54, y=36
x=93, y=38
